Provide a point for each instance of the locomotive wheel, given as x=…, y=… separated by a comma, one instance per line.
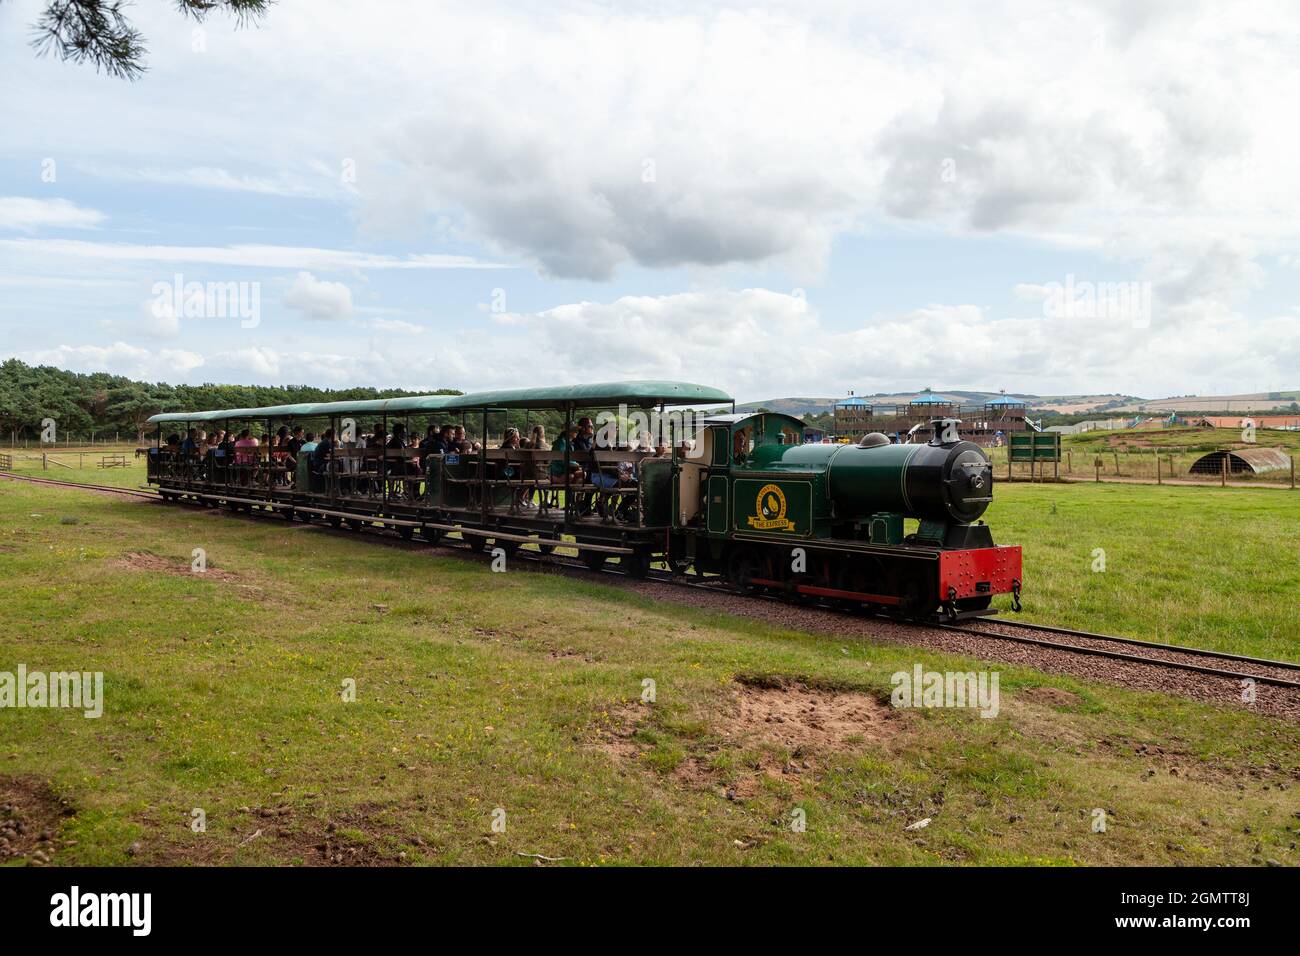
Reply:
x=636, y=565
x=509, y=547
x=431, y=535
x=335, y=521
x=406, y=531
x=742, y=568
x=594, y=559
x=356, y=524
x=916, y=604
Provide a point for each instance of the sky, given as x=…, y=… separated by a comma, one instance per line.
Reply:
x=784, y=199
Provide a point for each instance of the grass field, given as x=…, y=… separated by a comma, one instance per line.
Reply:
x=1209, y=567
x=82, y=464
x=521, y=692
x=1147, y=455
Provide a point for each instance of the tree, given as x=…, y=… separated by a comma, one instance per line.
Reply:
x=132, y=403
x=99, y=32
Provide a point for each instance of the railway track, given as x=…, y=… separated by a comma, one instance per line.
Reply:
x=1197, y=660
x=116, y=489
x=1235, y=667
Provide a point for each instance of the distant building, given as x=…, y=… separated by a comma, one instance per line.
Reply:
x=852, y=417
x=980, y=421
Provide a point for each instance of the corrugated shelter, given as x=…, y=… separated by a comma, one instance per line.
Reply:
x=1241, y=460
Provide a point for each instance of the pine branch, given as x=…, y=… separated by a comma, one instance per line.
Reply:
x=98, y=32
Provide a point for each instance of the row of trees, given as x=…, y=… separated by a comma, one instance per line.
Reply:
x=85, y=404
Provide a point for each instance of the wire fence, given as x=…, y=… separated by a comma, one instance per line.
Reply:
x=1154, y=465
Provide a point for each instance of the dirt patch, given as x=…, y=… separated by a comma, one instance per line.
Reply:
x=152, y=563
x=31, y=814
x=769, y=727
x=799, y=715
x=1051, y=696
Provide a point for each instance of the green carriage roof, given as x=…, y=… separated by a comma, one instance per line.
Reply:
x=640, y=393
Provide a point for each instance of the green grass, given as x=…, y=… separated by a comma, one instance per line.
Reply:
x=1133, y=455
x=478, y=691
x=82, y=463
x=1209, y=567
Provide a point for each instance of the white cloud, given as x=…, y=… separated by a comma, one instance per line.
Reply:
x=243, y=256
x=216, y=177
x=761, y=344
x=394, y=326
x=254, y=363
x=318, y=299
x=160, y=316
x=28, y=215
x=1152, y=138
x=120, y=358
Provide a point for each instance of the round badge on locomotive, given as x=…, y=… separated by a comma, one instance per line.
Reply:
x=769, y=510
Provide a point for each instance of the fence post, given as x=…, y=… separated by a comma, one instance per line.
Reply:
x=1293, y=472
x=1223, y=475
x=1116, y=464
x=1097, y=464
x=1158, y=478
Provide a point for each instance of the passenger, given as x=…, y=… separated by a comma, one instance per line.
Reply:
x=458, y=434
x=244, y=455
x=586, y=439
x=282, y=458
x=296, y=441
x=586, y=442
x=378, y=438
x=309, y=438
x=538, y=439
x=429, y=441
x=320, y=455
x=558, y=468
x=190, y=446
x=740, y=447
x=443, y=442
x=400, y=465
